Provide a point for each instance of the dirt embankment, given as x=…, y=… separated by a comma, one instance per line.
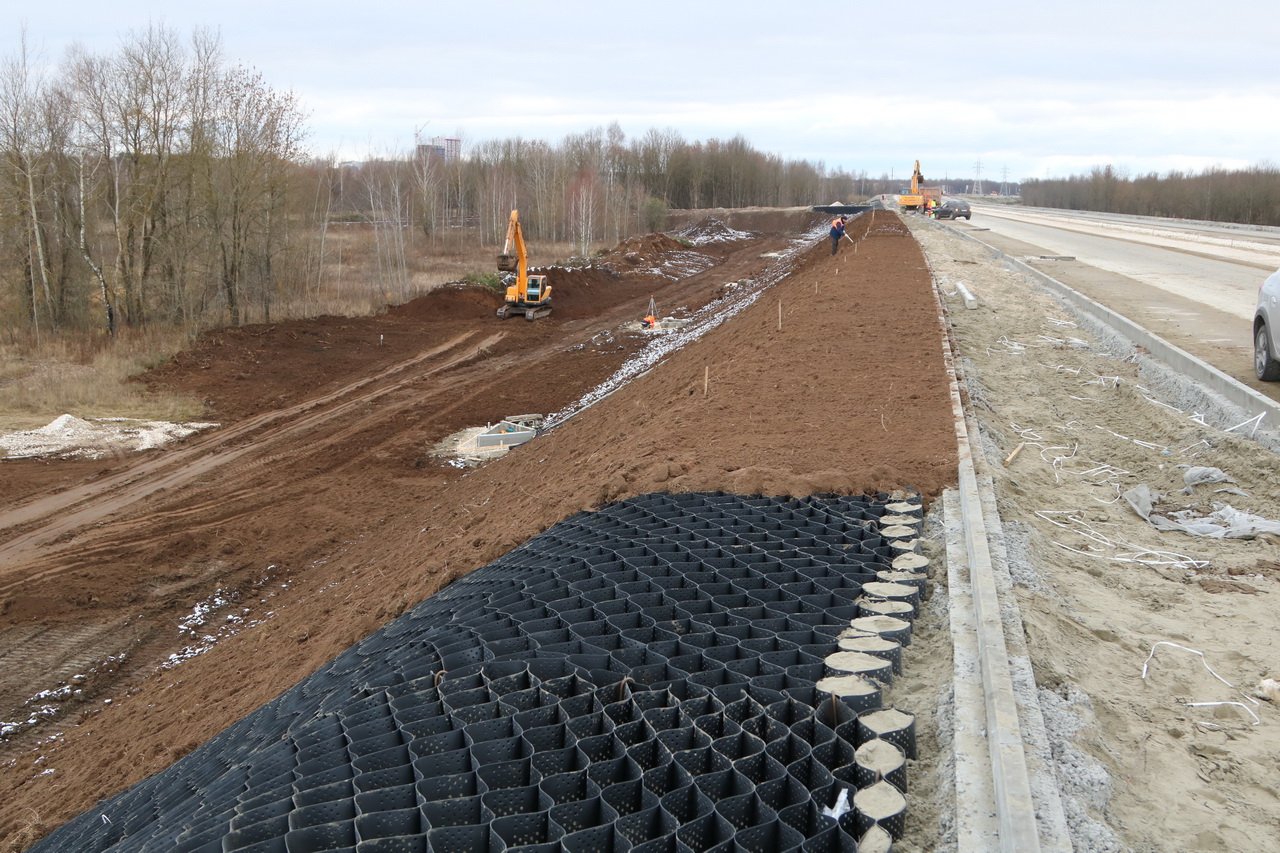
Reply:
x=325, y=516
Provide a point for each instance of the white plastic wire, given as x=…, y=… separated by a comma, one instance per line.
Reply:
x=1256, y=421
x=1099, y=545
x=1205, y=662
x=1256, y=719
x=1147, y=663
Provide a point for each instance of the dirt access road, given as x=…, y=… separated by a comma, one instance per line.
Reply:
x=149, y=603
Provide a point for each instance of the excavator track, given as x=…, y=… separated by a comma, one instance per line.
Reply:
x=530, y=312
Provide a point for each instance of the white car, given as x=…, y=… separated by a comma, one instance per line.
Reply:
x=1266, y=330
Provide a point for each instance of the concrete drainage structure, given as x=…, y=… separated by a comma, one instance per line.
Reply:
x=676, y=672
x=504, y=434
x=480, y=444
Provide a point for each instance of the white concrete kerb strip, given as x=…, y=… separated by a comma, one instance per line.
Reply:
x=1009, y=780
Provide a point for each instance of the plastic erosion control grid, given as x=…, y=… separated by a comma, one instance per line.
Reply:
x=639, y=678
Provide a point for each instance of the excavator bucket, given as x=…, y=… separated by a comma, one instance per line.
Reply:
x=507, y=263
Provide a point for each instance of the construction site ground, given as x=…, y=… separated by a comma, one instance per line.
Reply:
x=147, y=602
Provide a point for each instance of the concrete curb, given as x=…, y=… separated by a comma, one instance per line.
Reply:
x=996, y=806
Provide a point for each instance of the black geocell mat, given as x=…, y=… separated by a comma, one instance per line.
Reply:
x=639, y=678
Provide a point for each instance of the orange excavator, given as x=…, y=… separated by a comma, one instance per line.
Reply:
x=912, y=200
x=529, y=294
x=919, y=195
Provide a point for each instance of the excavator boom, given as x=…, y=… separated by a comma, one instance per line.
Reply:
x=508, y=262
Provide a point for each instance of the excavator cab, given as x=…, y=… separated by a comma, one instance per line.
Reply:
x=533, y=291
x=530, y=294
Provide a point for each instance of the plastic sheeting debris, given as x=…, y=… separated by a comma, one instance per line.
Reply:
x=1199, y=475
x=841, y=807
x=1225, y=522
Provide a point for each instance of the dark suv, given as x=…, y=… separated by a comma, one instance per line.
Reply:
x=953, y=208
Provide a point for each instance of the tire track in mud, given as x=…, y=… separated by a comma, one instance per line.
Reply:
x=220, y=506
x=315, y=434
x=55, y=517
x=252, y=465
x=80, y=647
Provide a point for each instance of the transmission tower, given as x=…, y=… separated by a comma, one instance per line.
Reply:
x=977, y=185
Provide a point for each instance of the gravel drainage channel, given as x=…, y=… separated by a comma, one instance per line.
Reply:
x=675, y=672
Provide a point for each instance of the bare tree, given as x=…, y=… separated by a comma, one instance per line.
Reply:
x=582, y=206
x=23, y=149
x=104, y=290
x=256, y=133
x=390, y=200
x=155, y=184
x=1250, y=196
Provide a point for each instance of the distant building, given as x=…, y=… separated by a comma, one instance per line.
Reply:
x=444, y=148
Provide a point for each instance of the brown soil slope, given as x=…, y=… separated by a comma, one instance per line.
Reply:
x=325, y=522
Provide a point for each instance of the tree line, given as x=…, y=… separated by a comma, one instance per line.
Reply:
x=591, y=186
x=1248, y=196
x=150, y=184
x=159, y=183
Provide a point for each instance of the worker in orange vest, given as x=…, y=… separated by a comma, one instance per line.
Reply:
x=837, y=232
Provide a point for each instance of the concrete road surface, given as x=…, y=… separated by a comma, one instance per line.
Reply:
x=1193, y=284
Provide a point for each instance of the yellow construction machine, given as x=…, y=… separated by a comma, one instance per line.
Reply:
x=912, y=200
x=919, y=194
x=529, y=294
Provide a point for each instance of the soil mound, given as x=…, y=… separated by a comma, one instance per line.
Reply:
x=648, y=254
x=647, y=248
x=240, y=370
x=580, y=292
x=636, y=267
x=451, y=302
x=713, y=230
x=655, y=256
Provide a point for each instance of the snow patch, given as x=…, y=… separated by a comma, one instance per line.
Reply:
x=209, y=635
x=712, y=230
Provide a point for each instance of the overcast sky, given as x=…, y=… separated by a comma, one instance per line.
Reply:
x=1029, y=89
